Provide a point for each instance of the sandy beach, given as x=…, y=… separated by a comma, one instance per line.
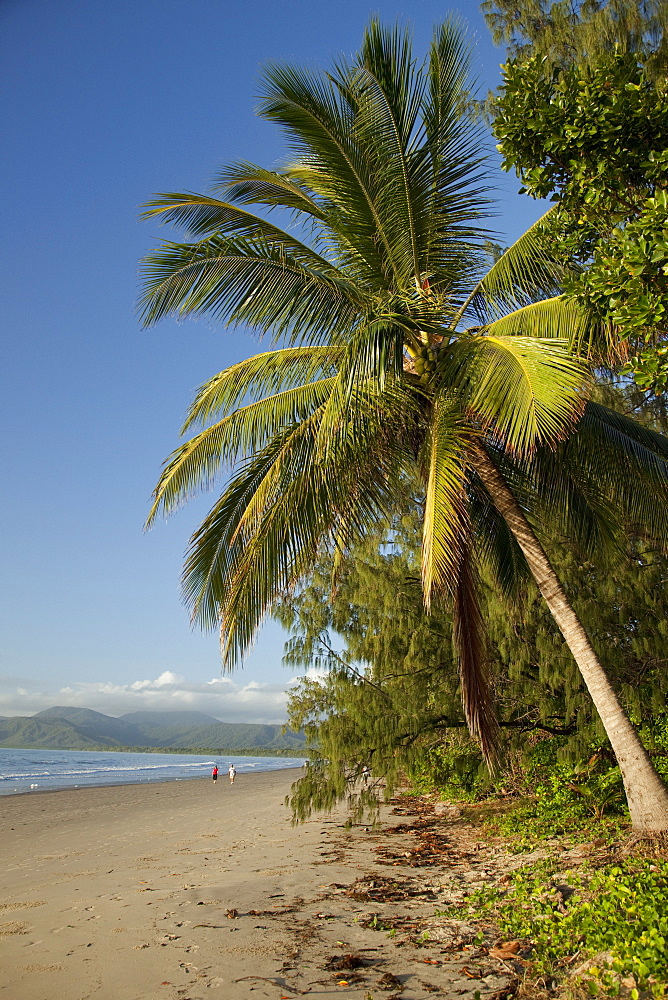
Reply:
x=187, y=891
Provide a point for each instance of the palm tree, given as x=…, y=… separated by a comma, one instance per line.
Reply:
x=399, y=356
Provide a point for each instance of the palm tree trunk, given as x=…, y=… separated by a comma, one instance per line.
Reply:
x=646, y=793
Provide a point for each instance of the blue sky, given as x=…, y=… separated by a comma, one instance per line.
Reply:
x=105, y=103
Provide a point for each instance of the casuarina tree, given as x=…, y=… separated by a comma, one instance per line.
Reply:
x=404, y=358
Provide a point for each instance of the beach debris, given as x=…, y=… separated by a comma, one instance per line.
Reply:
x=447, y=809
x=388, y=890
x=340, y=962
x=232, y=913
x=275, y=982
x=389, y=982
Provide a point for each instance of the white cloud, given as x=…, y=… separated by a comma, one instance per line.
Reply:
x=222, y=697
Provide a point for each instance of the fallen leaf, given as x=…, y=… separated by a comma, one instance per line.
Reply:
x=508, y=949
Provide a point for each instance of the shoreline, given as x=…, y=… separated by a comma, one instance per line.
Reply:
x=138, y=784
x=151, y=774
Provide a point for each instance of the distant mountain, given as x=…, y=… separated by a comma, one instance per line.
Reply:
x=66, y=728
x=168, y=718
x=227, y=735
x=56, y=734
x=97, y=726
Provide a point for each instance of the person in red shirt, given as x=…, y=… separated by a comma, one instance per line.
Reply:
x=214, y=773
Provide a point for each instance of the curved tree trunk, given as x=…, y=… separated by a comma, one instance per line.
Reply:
x=646, y=793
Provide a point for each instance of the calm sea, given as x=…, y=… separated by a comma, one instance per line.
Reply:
x=39, y=770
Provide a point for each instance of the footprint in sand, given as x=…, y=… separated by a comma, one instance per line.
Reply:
x=21, y=906
x=13, y=927
x=43, y=968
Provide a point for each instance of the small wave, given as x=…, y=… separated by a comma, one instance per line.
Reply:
x=102, y=770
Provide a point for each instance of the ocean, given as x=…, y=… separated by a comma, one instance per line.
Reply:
x=47, y=770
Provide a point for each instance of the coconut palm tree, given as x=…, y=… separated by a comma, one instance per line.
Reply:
x=399, y=356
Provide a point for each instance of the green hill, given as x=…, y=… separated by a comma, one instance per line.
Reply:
x=56, y=734
x=168, y=719
x=230, y=735
x=96, y=726
x=66, y=728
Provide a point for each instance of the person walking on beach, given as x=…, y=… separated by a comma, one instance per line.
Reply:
x=232, y=771
x=366, y=774
x=214, y=773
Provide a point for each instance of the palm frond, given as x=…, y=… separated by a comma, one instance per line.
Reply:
x=371, y=366
x=606, y=481
x=558, y=318
x=392, y=195
x=248, y=184
x=523, y=391
x=269, y=552
x=445, y=518
x=212, y=554
x=242, y=281
x=468, y=635
x=495, y=548
x=200, y=215
x=452, y=154
x=319, y=122
x=525, y=271
x=195, y=466
x=628, y=463
x=252, y=379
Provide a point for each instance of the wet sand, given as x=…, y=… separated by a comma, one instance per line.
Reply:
x=190, y=891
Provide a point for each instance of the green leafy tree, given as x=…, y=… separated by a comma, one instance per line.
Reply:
x=595, y=138
x=403, y=359
x=596, y=141
x=386, y=693
x=567, y=32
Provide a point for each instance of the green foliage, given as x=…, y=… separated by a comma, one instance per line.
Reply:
x=580, y=30
x=224, y=734
x=594, y=138
x=452, y=767
x=563, y=799
x=389, y=695
x=650, y=369
x=620, y=911
x=55, y=733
